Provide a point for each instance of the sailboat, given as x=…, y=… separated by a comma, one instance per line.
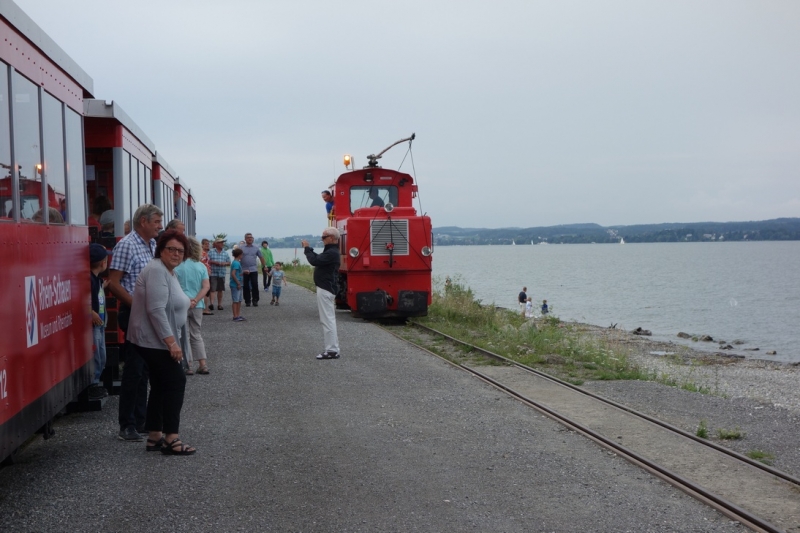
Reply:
x=513, y=243
x=621, y=240
x=531, y=242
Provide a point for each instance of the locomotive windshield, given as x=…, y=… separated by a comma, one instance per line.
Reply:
x=372, y=196
x=30, y=205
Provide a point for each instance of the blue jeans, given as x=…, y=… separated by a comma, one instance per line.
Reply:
x=236, y=295
x=99, y=353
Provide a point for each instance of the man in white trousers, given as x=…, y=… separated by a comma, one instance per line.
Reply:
x=326, y=276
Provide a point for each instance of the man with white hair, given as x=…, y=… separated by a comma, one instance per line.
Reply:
x=131, y=254
x=326, y=278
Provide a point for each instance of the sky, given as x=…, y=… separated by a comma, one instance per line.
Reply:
x=526, y=113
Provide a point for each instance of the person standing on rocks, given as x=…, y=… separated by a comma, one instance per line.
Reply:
x=326, y=278
x=523, y=299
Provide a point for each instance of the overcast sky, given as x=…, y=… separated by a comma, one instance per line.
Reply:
x=527, y=113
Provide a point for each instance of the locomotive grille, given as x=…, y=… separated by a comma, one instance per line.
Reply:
x=389, y=231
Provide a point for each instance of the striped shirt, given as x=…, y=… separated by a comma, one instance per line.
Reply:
x=131, y=255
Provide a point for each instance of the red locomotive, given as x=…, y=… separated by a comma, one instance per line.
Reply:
x=65, y=161
x=386, y=245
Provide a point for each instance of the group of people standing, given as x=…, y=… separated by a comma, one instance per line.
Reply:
x=158, y=294
x=248, y=260
x=526, y=304
x=162, y=281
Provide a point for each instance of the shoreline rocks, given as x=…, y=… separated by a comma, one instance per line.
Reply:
x=721, y=374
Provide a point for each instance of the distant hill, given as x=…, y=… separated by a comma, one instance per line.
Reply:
x=779, y=229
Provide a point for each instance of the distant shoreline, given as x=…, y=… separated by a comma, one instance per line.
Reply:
x=779, y=229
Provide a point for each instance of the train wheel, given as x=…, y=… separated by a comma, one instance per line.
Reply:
x=47, y=430
x=341, y=296
x=11, y=459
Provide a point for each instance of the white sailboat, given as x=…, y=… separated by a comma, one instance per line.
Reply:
x=513, y=243
x=621, y=240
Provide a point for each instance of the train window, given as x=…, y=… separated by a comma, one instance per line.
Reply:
x=6, y=198
x=371, y=196
x=148, y=186
x=142, y=189
x=28, y=150
x=125, y=186
x=162, y=198
x=53, y=122
x=169, y=208
x=76, y=202
x=159, y=194
x=134, y=184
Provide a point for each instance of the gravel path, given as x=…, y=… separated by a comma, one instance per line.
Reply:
x=387, y=438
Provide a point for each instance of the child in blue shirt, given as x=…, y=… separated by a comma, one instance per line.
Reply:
x=278, y=277
x=236, y=286
x=98, y=262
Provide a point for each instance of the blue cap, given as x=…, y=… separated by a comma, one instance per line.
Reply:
x=97, y=252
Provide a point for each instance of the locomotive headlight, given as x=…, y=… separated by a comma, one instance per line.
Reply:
x=389, y=207
x=426, y=251
x=353, y=252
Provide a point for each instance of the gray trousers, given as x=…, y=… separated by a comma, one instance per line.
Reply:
x=327, y=316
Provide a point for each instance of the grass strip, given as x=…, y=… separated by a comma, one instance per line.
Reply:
x=544, y=343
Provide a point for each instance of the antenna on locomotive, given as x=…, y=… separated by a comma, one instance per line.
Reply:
x=372, y=160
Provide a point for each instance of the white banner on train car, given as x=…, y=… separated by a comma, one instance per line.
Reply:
x=31, y=312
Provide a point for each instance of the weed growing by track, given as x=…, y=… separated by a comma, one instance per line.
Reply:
x=758, y=455
x=730, y=434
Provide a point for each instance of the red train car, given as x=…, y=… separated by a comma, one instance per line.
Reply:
x=72, y=169
x=386, y=245
x=46, y=345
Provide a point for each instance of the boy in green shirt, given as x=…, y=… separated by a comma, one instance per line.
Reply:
x=266, y=253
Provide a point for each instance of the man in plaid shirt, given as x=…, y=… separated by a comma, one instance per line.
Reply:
x=219, y=261
x=130, y=256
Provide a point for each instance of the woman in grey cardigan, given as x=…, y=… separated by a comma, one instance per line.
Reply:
x=158, y=312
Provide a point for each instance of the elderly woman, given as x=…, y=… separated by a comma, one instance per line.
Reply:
x=193, y=277
x=158, y=312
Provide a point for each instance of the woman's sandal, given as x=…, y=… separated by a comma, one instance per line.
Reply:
x=203, y=370
x=182, y=449
x=155, y=445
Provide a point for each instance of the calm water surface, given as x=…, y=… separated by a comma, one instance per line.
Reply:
x=738, y=290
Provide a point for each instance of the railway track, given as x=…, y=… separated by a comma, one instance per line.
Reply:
x=752, y=493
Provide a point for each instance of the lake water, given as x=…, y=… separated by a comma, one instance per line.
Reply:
x=738, y=290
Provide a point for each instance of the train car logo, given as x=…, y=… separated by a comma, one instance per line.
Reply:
x=31, y=313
